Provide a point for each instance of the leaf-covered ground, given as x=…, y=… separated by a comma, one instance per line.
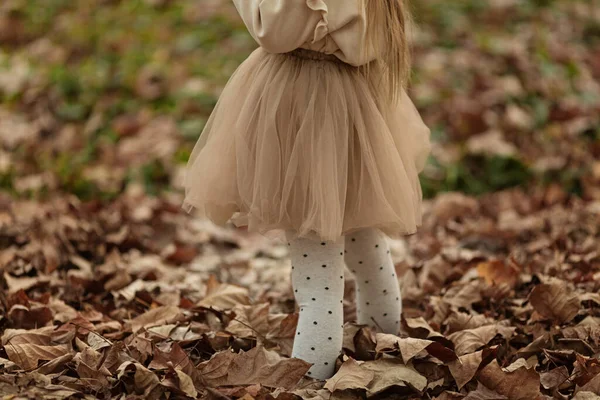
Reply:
x=110, y=291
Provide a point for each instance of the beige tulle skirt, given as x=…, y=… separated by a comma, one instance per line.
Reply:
x=299, y=143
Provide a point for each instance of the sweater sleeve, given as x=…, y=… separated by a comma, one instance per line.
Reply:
x=280, y=26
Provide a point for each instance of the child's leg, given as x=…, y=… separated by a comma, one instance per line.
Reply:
x=318, y=283
x=378, y=297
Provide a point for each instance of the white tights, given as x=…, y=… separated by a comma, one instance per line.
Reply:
x=318, y=283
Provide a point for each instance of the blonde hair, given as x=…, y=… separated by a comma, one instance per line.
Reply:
x=388, y=25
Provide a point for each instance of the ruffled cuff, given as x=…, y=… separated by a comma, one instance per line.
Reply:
x=322, y=28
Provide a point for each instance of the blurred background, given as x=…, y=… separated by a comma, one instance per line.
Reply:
x=97, y=95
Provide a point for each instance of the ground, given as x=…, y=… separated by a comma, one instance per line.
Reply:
x=111, y=291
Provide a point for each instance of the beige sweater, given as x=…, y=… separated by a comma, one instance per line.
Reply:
x=335, y=27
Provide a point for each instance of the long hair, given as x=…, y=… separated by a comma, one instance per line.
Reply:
x=389, y=23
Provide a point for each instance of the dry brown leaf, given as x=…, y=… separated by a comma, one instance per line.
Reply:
x=257, y=366
x=591, y=386
x=446, y=395
x=157, y=316
x=254, y=321
x=420, y=328
x=409, y=347
x=498, y=272
x=55, y=365
x=186, y=385
x=27, y=348
x=463, y=295
x=175, y=358
x=465, y=368
x=470, y=340
x=554, y=378
x=29, y=317
x=555, y=301
x=116, y=356
x=223, y=296
x=350, y=376
x=283, y=333
x=391, y=372
x=458, y=321
x=145, y=381
x=350, y=331
x=386, y=342
x=308, y=394
x=521, y=384
x=250, y=321
x=585, y=396
x=483, y=393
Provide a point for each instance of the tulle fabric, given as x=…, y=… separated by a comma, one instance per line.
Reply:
x=298, y=143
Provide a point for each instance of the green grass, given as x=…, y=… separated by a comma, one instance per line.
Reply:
x=97, y=52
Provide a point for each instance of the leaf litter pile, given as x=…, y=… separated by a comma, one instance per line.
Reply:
x=501, y=301
x=110, y=291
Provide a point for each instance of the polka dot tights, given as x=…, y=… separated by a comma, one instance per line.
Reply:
x=318, y=284
x=378, y=300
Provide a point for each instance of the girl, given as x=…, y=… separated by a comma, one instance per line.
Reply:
x=315, y=136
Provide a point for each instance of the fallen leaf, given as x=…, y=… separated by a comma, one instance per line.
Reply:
x=409, y=347
x=498, y=272
x=483, y=393
x=446, y=395
x=55, y=365
x=585, y=396
x=465, y=368
x=27, y=348
x=463, y=295
x=554, y=378
x=350, y=331
x=145, y=381
x=157, y=316
x=186, y=385
x=224, y=296
x=555, y=301
x=257, y=366
x=391, y=372
x=420, y=328
x=176, y=358
x=350, y=376
x=521, y=384
x=469, y=340
x=591, y=386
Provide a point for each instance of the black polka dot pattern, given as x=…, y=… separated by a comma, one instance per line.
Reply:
x=318, y=287
x=369, y=259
